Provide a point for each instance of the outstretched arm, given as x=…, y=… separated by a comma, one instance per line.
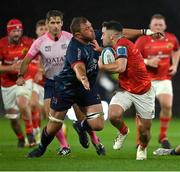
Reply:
x=80, y=70
x=134, y=33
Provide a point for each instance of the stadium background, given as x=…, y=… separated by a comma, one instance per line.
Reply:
x=131, y=13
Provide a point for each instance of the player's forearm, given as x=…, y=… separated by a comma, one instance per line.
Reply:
x=175, y=58
x=131, y=33
x=134, y=33
x=113, y=67
x=24, y=65
x=6, y=68
x=80, y=71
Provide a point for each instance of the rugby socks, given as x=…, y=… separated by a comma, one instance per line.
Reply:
x=137, y=131
x=28, y=126
x=94, y=138
x=84, y=125
x=20, y=136
x=143, y=146
x=123, y=129
x=46, y=139
x=164, y=124
x=173, y=152
x=35, y=118
x=62, y=139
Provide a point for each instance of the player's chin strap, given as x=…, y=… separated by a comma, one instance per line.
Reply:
x=53, y=119
x=94, y=115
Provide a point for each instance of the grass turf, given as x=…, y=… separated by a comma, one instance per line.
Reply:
x=12, y=158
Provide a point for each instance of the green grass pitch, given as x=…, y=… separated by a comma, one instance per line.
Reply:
x=12, y=158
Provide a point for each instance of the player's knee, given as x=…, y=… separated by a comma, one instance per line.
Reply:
x=55, y=119
x=99, y=125
x=34, y=104
x=96, y=121
x=114, y=116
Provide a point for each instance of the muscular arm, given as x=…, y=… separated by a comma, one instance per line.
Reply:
x=9, y=68
x=80, y=71
x=175, y=62
x=118, y=66
x=175, y=58
x=23, y=70
x=132, y=33
x=24, y=65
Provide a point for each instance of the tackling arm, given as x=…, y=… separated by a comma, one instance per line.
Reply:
x=118, y=66
x=134, y=33
x=80, y=70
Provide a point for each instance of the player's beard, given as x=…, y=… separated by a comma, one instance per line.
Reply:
x=15, y=39
x=89, y=38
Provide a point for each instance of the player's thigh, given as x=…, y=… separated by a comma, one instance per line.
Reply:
x=119, y=103
x=165, y=100
x=145, y=104
x=23, y=94
x=47, y=106
x=162, y=87
x=9, y=97
x=37, y=97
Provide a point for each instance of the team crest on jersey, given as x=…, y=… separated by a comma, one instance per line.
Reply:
x=169, y=45
x=64, y=46
x=24, y=51
x=47, y=48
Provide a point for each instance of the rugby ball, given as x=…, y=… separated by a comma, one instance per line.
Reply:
x=107, y=55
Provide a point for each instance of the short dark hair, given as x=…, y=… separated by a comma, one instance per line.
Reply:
x=113, y=25
x=75, y=24
x=41, y=22
x=158, y=16
x=54, y=13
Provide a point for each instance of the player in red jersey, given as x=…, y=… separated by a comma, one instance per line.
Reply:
x=13, y=48
x=134, y=84
x=37, y=98
x=161, y=56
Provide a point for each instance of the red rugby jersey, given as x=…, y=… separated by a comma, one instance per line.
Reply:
x=160, y=48
x=10, y=54
x=135, y=78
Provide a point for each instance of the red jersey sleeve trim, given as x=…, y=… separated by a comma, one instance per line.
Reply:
x=76, y=62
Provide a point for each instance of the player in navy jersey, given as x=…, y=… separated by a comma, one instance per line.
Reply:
x=75, y=84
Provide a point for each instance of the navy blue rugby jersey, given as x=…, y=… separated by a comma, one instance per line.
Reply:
x=77, y=52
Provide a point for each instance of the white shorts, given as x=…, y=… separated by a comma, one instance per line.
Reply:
x=144, y=104
x=9, y=94
x=162, y=87
x=40, y=91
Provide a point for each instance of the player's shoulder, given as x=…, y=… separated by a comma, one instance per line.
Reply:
x=4, y=40
x=66, y=34
x=143, y=37
x=41, y=39
x=27, y=40
x=124, y=42
x=171, y=35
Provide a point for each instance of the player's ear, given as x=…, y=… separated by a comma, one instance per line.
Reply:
x=62, y=23
x=46, y=22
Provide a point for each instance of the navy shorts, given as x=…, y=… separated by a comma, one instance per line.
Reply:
x=49, y=88
x=63, y=101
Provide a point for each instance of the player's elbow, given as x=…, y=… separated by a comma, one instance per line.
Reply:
x=121, y=69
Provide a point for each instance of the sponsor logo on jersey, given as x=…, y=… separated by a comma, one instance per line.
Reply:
x=47, y=48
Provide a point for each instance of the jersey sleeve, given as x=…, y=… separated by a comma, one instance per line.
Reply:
x=176, y=43
x=121, y=52
x=34, y=49
x=139, y=44
x=74, y=56
x=1, y=49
